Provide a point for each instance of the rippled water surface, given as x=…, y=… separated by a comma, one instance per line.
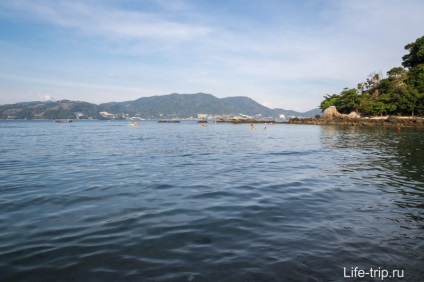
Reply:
x=103, y=201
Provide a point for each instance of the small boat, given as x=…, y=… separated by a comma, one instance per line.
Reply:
x=63, y=120
x=133, y=123
x=168, y=121
x=202, y=121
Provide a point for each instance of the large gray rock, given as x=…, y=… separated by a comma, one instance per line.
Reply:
x=331, y=112
x=353, y=115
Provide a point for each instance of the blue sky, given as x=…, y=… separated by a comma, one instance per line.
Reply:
x=283, y=54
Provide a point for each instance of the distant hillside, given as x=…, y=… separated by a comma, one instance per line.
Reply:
x=312, y=113
x=155, y=107
x=172, y=105
x=247, y=105
x=50, y=110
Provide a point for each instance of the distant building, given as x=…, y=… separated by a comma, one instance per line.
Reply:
x=79, y=115
x=107, y=115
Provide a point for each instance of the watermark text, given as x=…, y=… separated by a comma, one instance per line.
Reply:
x=379, y=273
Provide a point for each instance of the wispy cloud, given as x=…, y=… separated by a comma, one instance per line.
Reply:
x=92, y=18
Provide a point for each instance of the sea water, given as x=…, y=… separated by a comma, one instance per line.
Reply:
x=104, y=201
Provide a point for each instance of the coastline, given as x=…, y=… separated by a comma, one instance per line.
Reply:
x=387, y=121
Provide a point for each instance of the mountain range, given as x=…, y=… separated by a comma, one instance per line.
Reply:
x=155, y=107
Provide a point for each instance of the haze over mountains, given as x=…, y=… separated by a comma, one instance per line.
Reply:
x=165, y=106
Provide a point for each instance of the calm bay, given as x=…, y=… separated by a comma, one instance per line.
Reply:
x=104, y=201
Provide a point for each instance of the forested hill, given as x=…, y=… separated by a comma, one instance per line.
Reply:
x=400, y=93
x=172, y=105
x=165, y=106
x=64, y=109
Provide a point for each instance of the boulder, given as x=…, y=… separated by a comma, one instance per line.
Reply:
x=353, y=115
x=331, y=112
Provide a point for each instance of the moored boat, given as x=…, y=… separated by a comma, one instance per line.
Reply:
x=168, y=121
x=63, y=120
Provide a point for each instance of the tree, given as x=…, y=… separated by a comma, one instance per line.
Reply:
x=416, y=53
x=415, y=62
x=329, y=100
x=377, y=105
x=361, y=87
x=398, y=74
x=371, y=83
x=416, y=78
x=348, y=101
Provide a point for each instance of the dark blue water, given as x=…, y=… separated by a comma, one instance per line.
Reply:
x=103, y=201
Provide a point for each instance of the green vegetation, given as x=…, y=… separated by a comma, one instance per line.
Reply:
x=64, y=109
x=400, y=93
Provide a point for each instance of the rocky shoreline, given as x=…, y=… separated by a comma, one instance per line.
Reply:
x=385, y=121
x=332, y=117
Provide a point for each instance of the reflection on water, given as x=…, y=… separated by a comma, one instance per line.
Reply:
x=100, y=201
x=391, y=161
